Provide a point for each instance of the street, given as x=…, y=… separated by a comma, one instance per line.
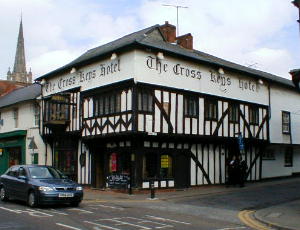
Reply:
x=216, y=208
x=101, y=216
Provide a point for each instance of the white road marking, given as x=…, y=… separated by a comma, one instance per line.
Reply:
x=36, y=213
x=101, y=225
x=96, y=228
x=67, y=226
x=57, y=212
x=106, y=206
x=119, y=222
x=31, y=212
x=167, y=220
x=230, y=228
x=80, y=210
x=12, y=210
x=151, y=222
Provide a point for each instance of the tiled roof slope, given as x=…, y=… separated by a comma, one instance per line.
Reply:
x=20, y=95
x=8, y=86
x=144, y=38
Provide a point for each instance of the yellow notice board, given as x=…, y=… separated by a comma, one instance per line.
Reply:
x=164, y=161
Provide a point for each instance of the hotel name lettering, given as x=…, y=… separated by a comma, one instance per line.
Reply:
x=222, y=81
x=81, y=76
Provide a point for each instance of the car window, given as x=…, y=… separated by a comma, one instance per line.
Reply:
x=22, y=172
x=44, y=173
x=13, y=171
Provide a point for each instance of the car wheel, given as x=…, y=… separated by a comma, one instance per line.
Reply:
x=32, y=202
x=3, y=194
x=75, y=204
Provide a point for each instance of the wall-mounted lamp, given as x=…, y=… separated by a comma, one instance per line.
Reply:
x=73, y=70
x=160, y=56
x=260, y=82
x=113, y=56
x=221, y=71
x=43, y=82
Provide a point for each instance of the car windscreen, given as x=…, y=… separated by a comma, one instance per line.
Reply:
x=44, y=173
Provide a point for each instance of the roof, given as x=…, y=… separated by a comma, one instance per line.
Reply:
x=143, y=38
x=20, y=95
x=6, y=86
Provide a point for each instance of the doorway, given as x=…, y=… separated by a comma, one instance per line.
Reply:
x=182, y=170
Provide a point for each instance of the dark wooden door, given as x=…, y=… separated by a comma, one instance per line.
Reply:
x=182, y=170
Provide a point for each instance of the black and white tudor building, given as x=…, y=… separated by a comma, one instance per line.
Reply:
x=150, y=106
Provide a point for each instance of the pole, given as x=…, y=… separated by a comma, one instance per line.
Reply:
x=177, y=21
x=152, y=189
x=177, y=14
x=129, y=187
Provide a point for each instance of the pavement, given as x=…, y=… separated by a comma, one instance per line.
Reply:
x=284, y=216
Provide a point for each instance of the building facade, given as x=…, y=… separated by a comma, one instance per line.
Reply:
x=149, y=106
x=20, y=141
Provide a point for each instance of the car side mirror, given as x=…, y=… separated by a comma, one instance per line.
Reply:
x=22, y=177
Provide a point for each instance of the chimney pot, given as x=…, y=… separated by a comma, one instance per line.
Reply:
x=186, y=41
x=169, y=31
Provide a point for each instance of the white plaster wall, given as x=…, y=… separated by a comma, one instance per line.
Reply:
x=25, y=117
x=283, y=99
x=90, y=76
x=166, y=77
x=26, y=121
x=41, y=148
x=296, y=160
x=276, y=168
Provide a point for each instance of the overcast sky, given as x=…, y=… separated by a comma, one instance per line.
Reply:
x=263, y=34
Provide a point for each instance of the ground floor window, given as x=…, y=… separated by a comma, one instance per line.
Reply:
x=15, y=156
x=157, y=165
x=166, y=166
x=66, y=162
x=119, y=163
x=269, y=154
x=288, y=157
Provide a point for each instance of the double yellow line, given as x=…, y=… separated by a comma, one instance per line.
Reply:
x=246, y=217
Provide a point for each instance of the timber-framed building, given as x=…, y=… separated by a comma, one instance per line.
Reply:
x=150, y=106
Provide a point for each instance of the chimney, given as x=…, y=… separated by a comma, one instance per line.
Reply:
x=169, y=32
x=186, y=41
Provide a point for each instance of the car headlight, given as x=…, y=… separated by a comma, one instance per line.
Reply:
x=45, y=189
x=79, y=188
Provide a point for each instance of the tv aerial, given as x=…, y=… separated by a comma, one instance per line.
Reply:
x=177, y=9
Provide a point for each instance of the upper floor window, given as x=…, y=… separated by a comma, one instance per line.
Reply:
x=233, y=113
x=107, y=104
x=211, y=109
x=145, y=101
x=1, y=120
x=286, y=122
x=191, y=106
x=36, y=115
x=16, y=117
x=253, y=115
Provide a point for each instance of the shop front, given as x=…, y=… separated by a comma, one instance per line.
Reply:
x=12, y=149
x=131, y=164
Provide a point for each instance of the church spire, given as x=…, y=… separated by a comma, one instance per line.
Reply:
x=19, y=72
x=20, y=66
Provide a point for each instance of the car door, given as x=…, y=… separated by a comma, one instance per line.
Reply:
x=10, y=182
x=21, y=184
x=5, y=180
